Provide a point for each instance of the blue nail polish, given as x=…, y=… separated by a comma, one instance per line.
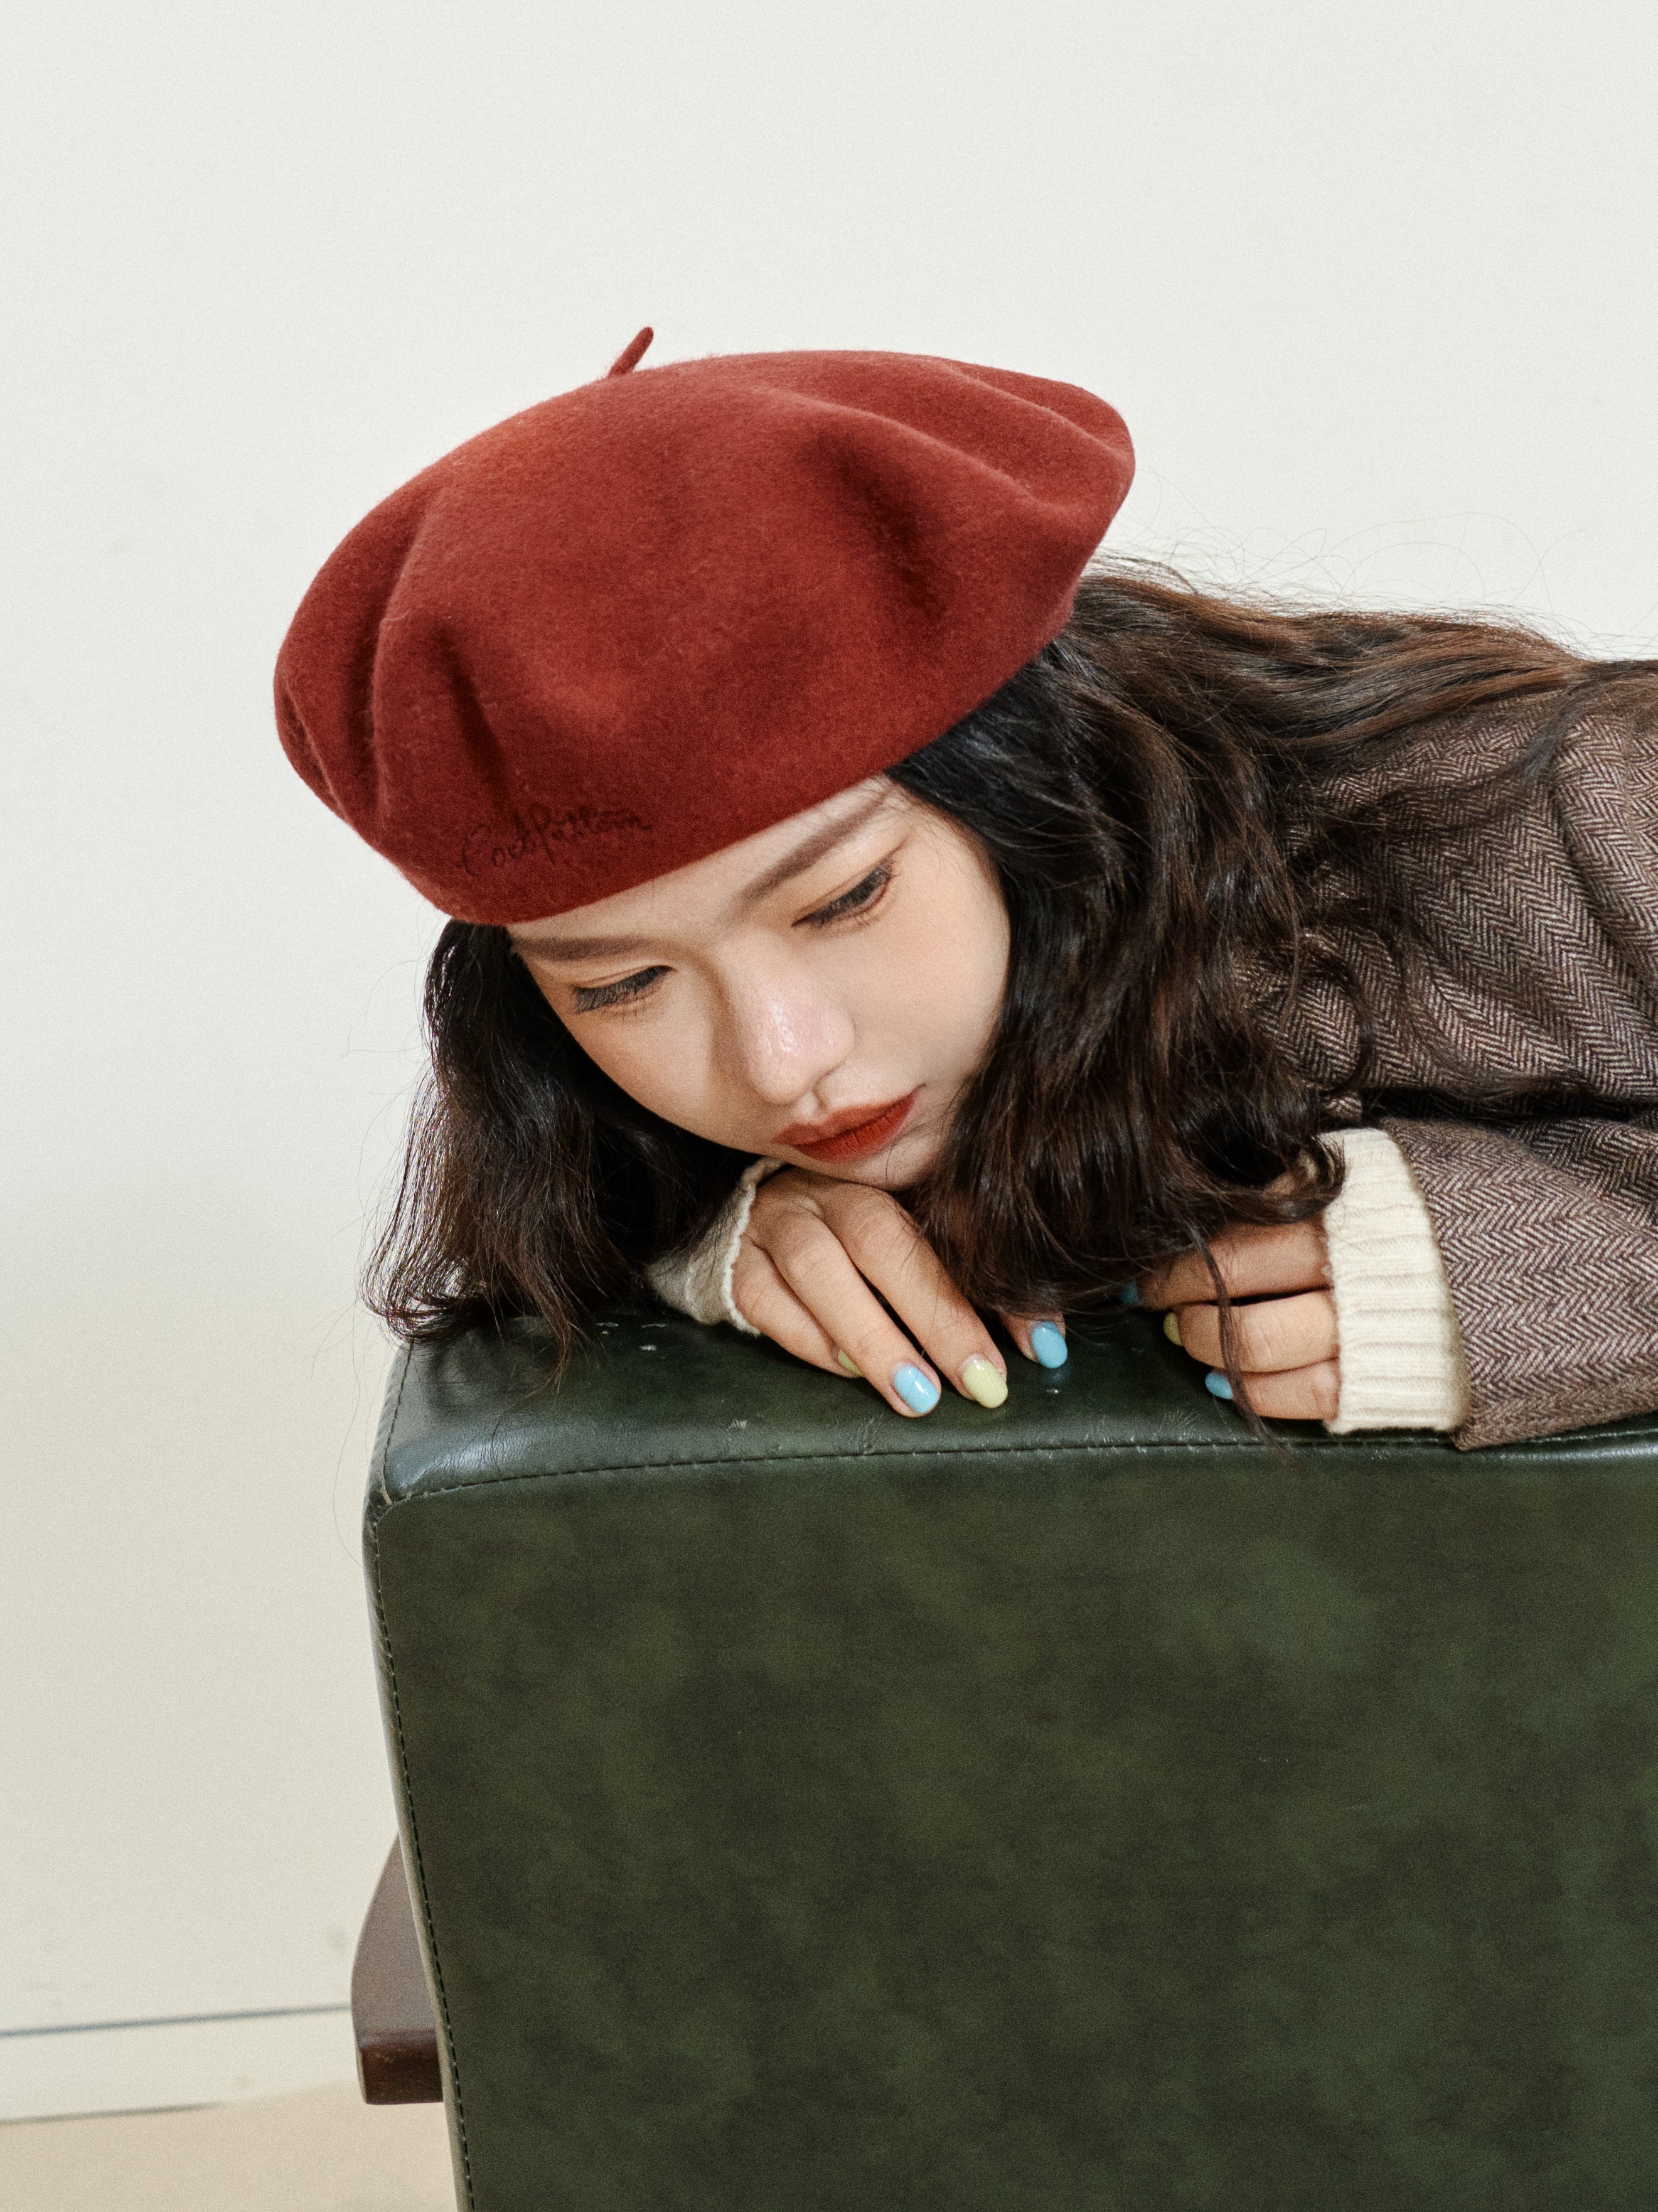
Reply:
x=1049, y=1344
x=1131, y=1296
x=917, y=1392
x=1217, y=1384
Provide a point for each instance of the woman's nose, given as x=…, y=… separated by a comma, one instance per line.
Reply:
x=780, y=1043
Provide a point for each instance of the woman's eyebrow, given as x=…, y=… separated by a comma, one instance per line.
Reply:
x=810, y=852
x=580, y=948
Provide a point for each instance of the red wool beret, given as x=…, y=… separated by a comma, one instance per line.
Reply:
x=652, y=616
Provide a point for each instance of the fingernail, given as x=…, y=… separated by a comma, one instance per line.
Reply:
x=981, y=1380
x=1047, y=1342
x=918, y=1392
x=1131, y=1296
x=848, y=1366
x=1217, y=1384
x=1171, y=1328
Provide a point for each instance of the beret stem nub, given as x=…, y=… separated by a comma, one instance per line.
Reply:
x=631, y=354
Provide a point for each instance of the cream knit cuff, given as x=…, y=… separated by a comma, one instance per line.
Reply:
x=697, y=1281
x=1402, y=1365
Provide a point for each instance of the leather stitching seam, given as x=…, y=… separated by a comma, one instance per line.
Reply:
x=382, y=1458
x=414, y=1836
x=1424, y=1450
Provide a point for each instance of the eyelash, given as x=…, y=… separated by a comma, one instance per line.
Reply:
x=858, y=901
x=594, y=1000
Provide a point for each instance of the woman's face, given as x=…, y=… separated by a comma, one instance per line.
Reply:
x=820, y=993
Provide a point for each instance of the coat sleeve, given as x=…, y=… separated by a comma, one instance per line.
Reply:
x=1548, y=1233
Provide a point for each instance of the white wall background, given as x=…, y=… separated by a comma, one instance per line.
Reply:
x=1373, y=288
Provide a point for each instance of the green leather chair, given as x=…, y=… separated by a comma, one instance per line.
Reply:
x=1079, y=1808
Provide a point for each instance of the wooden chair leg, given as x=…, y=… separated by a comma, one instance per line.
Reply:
x=390, y=2006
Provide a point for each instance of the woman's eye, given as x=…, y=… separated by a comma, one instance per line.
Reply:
x=860, y=895
x=590, y=999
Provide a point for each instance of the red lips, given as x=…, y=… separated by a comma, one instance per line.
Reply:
x=849, y=1134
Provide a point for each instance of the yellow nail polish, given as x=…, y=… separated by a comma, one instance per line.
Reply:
x=846, y=1365
x=1171, y=1328
x=981, y=1380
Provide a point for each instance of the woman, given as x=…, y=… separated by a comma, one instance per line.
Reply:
x=822, y=833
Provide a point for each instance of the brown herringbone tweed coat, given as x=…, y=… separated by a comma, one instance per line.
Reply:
x=1540, y=972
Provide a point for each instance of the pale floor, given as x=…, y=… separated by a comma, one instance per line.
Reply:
x=312, y=2150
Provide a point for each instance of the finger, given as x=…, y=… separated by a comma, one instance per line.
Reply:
x=1306, y=1393
x=887, y=1250
x=1041, y=1337
x=1271, y=1337
x=766, y=1303
x=1254, y=1262
x=814, y=1265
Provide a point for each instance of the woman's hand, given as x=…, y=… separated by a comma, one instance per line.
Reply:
x=1286, y=1345
x=814, y=1254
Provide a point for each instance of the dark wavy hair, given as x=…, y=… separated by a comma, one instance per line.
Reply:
x=1161, y=792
